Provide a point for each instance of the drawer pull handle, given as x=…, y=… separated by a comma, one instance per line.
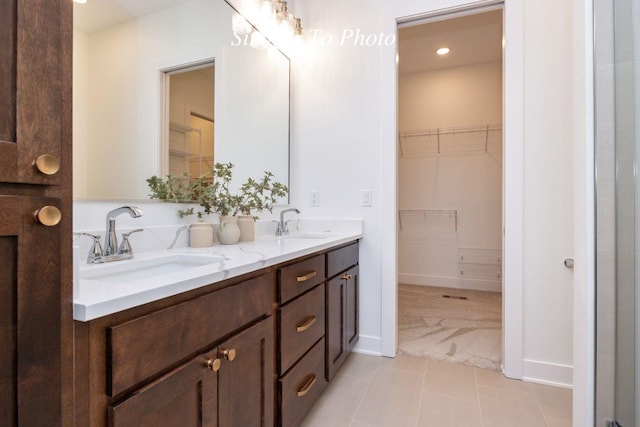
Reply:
x=346, y=276
x=307, y=385
x=306, y=324
x=214, y=364
x=306, y=277
x=229, y=354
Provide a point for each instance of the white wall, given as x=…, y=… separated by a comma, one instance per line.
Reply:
x=344, y=134
x=464, y=178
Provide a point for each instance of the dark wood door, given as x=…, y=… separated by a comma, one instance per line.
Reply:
x=35, y=52
x=30, y=314
x=342, y=318
x=185, y=397
x=246, y=383
x=36, y=368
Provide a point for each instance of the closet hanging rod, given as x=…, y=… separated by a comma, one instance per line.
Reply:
x=426, y=212
x=451, y=130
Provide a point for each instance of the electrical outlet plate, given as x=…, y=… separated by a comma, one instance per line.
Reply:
x=314, y=198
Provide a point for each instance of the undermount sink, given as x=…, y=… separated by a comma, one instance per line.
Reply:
x=134, y=269
x=308, y=236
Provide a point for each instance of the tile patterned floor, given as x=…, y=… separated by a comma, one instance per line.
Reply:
x=414, y=392
x=465, y=331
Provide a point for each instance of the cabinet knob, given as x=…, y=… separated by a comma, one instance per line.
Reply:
x=229, y=354
x=346, y=276
x=307, y=385
x=48, y=215
x=214, y=364
x=47, y=164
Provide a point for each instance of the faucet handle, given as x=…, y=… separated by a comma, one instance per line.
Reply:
x=125, y=246
x=95, y=252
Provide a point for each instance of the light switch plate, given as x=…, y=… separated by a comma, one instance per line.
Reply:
x=366, y=198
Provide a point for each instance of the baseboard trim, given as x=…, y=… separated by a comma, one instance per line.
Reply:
x=451, y=282
x=368, y=345
x=553, y=374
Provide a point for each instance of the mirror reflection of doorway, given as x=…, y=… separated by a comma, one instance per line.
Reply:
x=450, y=183
x=191, y=120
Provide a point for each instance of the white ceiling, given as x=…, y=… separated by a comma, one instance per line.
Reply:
x=473, y=39
x=96, y=15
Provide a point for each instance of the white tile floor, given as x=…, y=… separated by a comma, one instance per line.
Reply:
x=408, y=391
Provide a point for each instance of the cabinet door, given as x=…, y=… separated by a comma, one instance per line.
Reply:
x=30, y=315
x=336, y=309
x=185, y=397
x=34, y=57
x=246, y=378
x=351, y=332
x=342, y=318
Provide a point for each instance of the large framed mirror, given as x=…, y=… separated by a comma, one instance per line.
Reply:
x=126, y=53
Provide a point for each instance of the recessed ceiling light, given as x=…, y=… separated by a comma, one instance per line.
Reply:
x=80, y=1
x=443, y=51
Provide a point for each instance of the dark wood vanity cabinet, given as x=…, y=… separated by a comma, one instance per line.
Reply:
x=342, y=306
x=36, y=327
x=204, y=358
x=256, y=350
x=230, y=385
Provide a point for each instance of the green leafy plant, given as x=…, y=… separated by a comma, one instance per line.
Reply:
x=172, y=189
x=213, y=194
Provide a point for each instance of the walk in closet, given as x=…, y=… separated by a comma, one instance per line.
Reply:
x=450, y=162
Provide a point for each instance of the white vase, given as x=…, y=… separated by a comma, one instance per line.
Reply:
x=247, y=226
x=201, y=235
x=228, y=232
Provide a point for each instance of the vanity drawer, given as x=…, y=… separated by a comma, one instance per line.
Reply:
x=341, y=259
x=301, y=387
x=297, y=278
x=301, y=324
x=149, y=344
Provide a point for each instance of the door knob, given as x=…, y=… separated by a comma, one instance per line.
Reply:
x=48, y=215
x=47, y=164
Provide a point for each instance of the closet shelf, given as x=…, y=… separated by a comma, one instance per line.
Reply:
x=425, y=213
x=462, y=139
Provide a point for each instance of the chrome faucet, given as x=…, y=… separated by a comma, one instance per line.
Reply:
x=111, y=251
x=110, y=239
x=283, y=228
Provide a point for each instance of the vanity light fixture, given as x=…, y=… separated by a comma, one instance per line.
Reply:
x=274, y=19
x=443, y=51
x=297, y=30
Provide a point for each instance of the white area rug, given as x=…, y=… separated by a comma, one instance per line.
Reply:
x=450, y=329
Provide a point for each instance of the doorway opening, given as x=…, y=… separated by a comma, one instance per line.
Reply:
x=450, y=187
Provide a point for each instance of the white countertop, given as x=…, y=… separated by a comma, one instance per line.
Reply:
x=94, y=299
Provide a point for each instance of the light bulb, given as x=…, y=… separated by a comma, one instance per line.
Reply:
x=443, y=51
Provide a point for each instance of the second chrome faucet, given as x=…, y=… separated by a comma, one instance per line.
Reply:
x=283, y=228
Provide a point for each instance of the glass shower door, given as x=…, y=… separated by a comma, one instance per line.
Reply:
x=617, y=72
